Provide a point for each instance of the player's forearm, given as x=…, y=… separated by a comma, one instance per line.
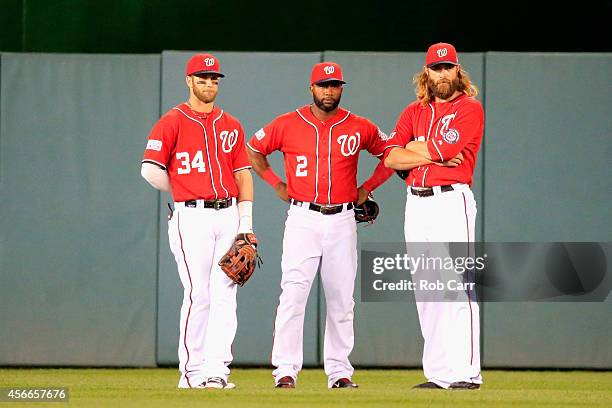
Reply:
x=402, y=159
x=258, y=161
x=156, y=176
x=419, y=148
x=378, y=177
x=262, y=167
x=244, y=182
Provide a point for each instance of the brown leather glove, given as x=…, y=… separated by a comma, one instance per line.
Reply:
x=240, y=260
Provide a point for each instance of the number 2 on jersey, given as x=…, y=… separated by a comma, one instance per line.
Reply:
x=186, y=165
x=300, y=169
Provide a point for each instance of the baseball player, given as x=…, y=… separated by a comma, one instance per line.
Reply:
x=196, y=152
x=321, y=144
x=437, y=138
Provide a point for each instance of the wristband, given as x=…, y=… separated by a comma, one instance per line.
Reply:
x=270, y=177
x=245, y=211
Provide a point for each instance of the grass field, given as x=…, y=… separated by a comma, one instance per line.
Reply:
x=254, y=388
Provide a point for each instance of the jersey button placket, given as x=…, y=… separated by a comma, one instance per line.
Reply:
x=209, y=143
x=326, y=162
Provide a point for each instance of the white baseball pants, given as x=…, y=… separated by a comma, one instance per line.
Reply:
x=450, y=329
x=312, y=238
x=199, y=237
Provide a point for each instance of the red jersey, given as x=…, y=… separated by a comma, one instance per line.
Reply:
x=200, y=151
x=448, y=128
x=321, y=157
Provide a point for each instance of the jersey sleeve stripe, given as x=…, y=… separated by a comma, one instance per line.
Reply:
x=252, y=148
x=437, y=150
x=424, y=174
x=393, y=145
x=154, y=162
x=242, y=168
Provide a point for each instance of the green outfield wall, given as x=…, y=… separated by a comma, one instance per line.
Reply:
x=86, y=275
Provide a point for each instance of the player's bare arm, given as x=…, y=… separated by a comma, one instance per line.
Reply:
x=156, y=176
x=261, y=166
x=244, y=181
x=281, y=191
x=402, y=159
x=454, y=162
x=420, y=149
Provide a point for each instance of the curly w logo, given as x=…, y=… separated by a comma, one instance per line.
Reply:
x=228, y=139
x=349, y=145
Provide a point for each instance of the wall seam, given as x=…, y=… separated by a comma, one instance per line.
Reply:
x=483, y=147
x=157, y=240
x=483, y=199
x=1, y=58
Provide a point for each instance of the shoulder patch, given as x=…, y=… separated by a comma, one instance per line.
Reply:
x=154, y=145
x=451, y=136
x=260, y=134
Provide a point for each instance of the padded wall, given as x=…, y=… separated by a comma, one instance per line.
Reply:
x=86, y=275
x=547, y=179
x=78, y=237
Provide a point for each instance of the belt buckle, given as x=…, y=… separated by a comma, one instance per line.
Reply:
x=327, y=209
x=217, y=204
x=422, y=193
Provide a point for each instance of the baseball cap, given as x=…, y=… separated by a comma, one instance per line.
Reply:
x=325, y=72
x=203, y=64
x=441, y=53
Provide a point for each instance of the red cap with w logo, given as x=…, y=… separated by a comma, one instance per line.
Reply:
x=201, y=64
x=325, y=72
x=441, y=53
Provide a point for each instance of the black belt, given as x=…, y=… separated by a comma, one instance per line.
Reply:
x=216, y=204
x=325, y=209
x=429, y=191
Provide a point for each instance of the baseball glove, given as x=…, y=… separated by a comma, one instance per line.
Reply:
x=402, y=173
x=240, y=260
x=367, y=211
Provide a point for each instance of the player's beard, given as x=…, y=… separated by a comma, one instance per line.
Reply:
x=326, y=106
x=443, y=89
x=205, y=96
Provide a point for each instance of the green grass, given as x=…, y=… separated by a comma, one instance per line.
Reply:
x=384, y=388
